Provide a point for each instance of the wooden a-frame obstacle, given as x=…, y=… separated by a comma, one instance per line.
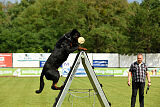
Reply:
x=82, y=57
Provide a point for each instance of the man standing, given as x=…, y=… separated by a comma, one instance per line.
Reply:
x=138, y=70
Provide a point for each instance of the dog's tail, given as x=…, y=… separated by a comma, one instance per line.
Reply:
x=41, y=84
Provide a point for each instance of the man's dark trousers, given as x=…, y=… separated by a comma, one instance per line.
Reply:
x=135, y=87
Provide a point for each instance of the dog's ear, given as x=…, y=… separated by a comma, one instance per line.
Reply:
x=73, y=32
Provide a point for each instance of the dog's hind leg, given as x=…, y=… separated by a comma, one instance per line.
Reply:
x=55, y=81
x=54, y=76
x=55, y=87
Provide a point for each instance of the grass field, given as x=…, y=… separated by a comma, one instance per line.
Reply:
x=20, y=92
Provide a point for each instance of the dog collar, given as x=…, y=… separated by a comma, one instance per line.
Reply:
x=67, y=37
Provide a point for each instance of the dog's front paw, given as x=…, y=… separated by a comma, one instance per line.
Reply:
x=84, y=49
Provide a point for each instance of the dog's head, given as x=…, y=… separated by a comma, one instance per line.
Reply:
x=73, y=36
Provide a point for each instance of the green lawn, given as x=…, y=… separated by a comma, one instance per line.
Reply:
x=20, y=92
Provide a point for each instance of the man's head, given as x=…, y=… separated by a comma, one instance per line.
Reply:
x=139, y=58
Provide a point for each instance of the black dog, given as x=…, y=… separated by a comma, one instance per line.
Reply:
x=67, y=44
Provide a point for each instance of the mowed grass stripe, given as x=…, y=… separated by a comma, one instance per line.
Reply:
x=3, y=89
x=16, y=91
x=152, y=99
x=116, y=90
x=9, y=89
x=20, y=92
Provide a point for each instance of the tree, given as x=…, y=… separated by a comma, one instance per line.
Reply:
x=143, y=31
x=106, y=25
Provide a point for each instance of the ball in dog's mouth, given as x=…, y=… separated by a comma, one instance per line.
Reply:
x=81, y=40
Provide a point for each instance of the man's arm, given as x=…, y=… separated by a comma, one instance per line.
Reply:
x=129, y=78
x=148, y=78
x=130, y=74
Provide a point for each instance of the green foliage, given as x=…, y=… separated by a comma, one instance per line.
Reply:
x=107, y=25
x=144, y=28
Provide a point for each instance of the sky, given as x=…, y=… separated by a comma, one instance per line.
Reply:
x=13, y=1
x=134, y=0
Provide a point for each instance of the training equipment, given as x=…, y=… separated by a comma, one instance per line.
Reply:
x=72, y=93
x=81, y=40
x=82, y=57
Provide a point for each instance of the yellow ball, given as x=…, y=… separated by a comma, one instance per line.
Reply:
x=81, y=40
